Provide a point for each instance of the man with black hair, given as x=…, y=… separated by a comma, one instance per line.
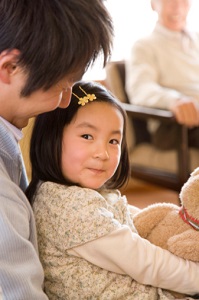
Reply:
x=45, y=46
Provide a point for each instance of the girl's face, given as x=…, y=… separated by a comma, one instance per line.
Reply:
x=91, y=147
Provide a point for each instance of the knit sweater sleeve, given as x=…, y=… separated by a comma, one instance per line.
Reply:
x=144, y=75
x=75, y=215
x=125, y=252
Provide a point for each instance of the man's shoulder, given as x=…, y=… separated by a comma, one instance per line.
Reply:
x=147, y=42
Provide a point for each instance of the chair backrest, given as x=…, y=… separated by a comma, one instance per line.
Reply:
x=115, y=80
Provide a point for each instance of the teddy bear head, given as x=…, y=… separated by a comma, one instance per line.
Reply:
x=189, y=197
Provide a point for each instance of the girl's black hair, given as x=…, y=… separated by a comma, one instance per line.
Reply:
x=46, y=141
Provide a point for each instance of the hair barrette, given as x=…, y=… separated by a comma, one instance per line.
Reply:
x=83, y=100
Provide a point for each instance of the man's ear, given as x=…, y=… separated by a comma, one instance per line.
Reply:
x=8, y=64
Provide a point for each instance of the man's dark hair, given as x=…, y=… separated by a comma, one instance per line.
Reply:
x=55, y=37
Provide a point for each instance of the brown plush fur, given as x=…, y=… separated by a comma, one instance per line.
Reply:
x=162, y=225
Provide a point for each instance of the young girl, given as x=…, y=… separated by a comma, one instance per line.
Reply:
x=88, y=245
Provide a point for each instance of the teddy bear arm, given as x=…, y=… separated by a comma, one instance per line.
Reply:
x=149, y=218
x=185, y=245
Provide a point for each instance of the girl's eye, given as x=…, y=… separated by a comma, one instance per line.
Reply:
x=87, y=136
x=114, y=142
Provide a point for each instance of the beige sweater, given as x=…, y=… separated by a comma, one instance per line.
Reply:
x=163, y=68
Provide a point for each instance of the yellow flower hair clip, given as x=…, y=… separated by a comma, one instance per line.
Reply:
x=83, y=100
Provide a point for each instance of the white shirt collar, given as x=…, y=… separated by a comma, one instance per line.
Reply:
x=18, y=134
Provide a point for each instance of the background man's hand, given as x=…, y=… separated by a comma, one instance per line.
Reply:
x=186, y=112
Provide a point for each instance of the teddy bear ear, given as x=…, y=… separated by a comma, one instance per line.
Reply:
x=195, y=172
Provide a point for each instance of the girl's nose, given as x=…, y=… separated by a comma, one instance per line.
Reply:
x=66, y=97
x=101, y=153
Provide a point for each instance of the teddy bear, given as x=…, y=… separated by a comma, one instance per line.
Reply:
x=173, y=227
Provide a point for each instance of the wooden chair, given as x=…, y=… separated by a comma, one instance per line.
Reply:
x=166, y=168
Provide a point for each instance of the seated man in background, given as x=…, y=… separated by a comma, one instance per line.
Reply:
x=163, y=72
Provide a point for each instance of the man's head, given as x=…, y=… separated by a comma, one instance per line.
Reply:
x=172, y=13
x=54, y=38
